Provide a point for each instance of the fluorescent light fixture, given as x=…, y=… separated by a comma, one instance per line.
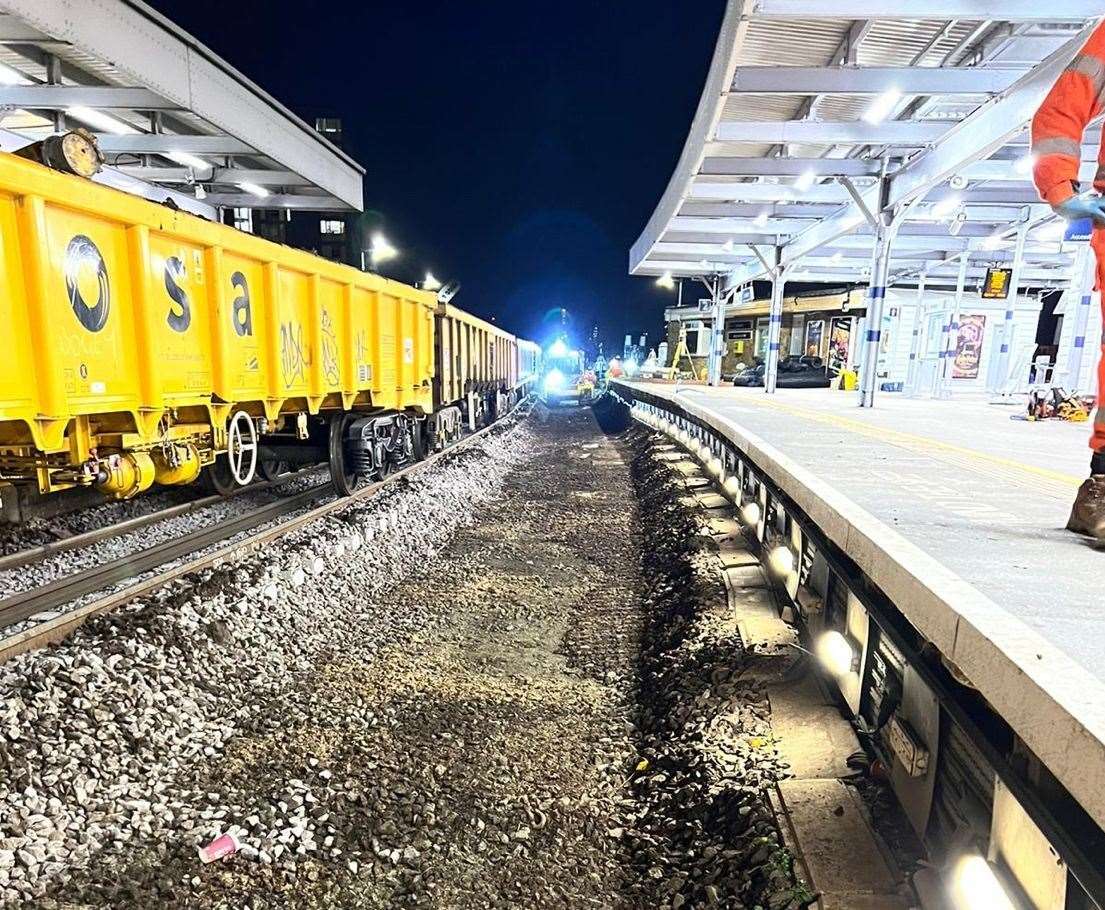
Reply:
x=98, y=120
x=761, y=219
x=944, y=208
x=1025, y=164
x=836, y=655
x=253, y=189
x=995, y=241
x=195, y=163
x=9, y=76
x=836, y=258
x=974, y=886
x=666, y=281
x=805, y=182
x=429, y=283
x=881, y=107
x=727, y=247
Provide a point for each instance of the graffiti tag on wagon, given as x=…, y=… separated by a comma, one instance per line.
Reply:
x=84, y=266
x=293, y=361
x=329, y=350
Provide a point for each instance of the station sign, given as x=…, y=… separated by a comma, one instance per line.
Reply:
x=996, y=285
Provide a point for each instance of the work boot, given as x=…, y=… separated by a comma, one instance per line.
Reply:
x=1088, y=514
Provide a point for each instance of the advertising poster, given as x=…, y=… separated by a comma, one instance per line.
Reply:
x=815, y=330
x=840, y=340
x=968, y=346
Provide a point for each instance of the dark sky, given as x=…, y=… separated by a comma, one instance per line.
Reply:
x=518, y=147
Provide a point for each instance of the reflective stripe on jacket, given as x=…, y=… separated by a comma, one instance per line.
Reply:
x=1074, y=100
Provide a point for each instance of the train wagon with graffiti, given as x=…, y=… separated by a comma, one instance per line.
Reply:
x=147, y=345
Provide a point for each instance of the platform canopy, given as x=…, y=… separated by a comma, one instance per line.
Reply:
x=808, y=102
x=167, y=110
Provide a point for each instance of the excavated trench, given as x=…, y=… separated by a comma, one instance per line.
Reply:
x=545, y=705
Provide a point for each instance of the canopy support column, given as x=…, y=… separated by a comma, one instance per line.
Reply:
x=915, y=340
x=1001, y=375
x=775, y=324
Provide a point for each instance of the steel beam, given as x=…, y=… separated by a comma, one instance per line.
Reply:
x=790, y=167
x=774, y=323
x=160, y=143
x=752, y=210
x=59, y=97
x=872, y=80
x=226, y=175
x=1000, y=10
x=827, y=132
x=771, y=228
x=277, y=201
x=764, y=192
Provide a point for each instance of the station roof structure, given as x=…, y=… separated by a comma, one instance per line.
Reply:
x=166, y=109
x=808, y=102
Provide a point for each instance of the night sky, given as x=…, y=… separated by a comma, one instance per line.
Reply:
x=518, y=147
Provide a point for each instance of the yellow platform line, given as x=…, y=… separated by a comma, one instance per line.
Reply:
x=1009, y=467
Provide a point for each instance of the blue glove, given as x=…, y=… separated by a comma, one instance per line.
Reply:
x=1084, y=205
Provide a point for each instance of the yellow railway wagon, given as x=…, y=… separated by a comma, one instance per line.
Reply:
x=477, y=369
x=143, y=341
x=529, y=364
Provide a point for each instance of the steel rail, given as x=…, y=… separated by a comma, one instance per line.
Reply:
x=32, y=555
x=23, y=606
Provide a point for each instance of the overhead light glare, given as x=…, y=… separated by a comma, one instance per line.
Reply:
x=727, y=247
x=381, y=249
x=1025, y=164
x=9, y=76
x=975, y=886
x=750, y=512
x=836, y=654
x=944, y=208
x=881, y=107
x=430, y=283
x=781, y=560
x=188, y=160
x=98, y=120
x=804, y=182
x=666, y=281
x=253, y=189
x=760, y=220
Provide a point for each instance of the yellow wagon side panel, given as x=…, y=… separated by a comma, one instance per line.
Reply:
x=293, y=324
x=331, y=366
x=179, y=319
x=239, y=329
x=90, y=305
x=18, y=396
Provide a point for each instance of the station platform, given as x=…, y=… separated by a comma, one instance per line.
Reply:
x=957, y=511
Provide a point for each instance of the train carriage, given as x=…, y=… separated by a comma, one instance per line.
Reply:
x=144, y=343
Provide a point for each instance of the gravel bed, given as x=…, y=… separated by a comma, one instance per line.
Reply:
x=101, y=737
x=508, y=682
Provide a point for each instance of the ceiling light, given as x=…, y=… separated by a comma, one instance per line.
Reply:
x=882, y=106
x=253, y=189
x=1025, y=164
x=761, y=219
x=727, y=247
x=666, y=281
x=804, y=182
x=944, y=208
x=995, y=241
x=429, y=283
x=381, y=249
x=195, y=163
x=100, y=121
x=9, y=76
x=836, y=258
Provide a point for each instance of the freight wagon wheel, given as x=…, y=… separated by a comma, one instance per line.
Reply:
x=418, y=442
x=218, y=478
x=241, y=448
x=342, y=473
x=270, y=470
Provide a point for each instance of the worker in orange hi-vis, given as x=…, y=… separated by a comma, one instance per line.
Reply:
x=1077, y=97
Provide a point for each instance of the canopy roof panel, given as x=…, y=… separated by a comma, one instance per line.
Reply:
x=167, y=109
x=808, y=102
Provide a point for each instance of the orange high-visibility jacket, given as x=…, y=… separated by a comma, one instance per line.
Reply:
x=1076, y=98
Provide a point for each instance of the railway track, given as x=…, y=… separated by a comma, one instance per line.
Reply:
x=33, y=555
x=216, y=544
x=974, y=781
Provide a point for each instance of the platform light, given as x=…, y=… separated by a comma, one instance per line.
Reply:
x=805, y=182
x=881, y=107
x=253, y=189
x=781, y=560
x=105, y=123
x=975, y=886
x=558, y=348
x=835, y=653
x=666, y=281
x=429, y=283
x=194, y=162
x=381, y=249
x=946, y=206
x=750, y=513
